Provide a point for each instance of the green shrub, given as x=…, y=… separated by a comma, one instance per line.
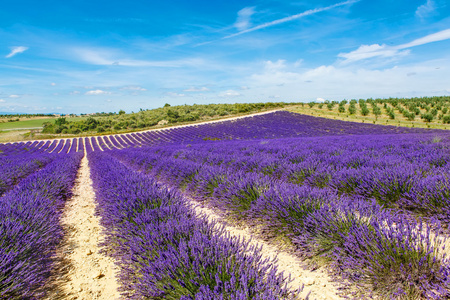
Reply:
x=446, y=119
x=428, y=117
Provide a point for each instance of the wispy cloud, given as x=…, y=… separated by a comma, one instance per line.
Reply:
x=14, y=96
x=174, y=94
x=243, y=18
x=16, y=50
x=2, y=101
x=426, y=9
x=435, y=37
x=291, y=18
x=196, y=89
x=370, y=51
x=107, y=57
x=97, y=92
x=133, y=88
x=229, y=93
x=376, y=50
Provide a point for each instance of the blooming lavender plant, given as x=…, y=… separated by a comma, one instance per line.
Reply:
x=30, y=229
x=167, y=252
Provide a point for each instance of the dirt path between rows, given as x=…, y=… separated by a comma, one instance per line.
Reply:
x=317, y=283
x=84, y=272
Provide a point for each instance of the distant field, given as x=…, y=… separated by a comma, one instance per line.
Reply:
x=33, y=123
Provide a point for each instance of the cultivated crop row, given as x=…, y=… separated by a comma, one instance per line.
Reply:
x=354, y=202
x=370, y=202
x=30, y=229
x=165, y=251
x=280, y=124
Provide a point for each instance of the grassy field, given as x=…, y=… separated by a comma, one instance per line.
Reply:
x=25, y=123
x=383, y=119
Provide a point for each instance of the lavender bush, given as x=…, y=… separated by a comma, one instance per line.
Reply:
x=166, y=252
x=30, y=230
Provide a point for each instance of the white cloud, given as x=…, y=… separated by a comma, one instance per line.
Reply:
x=274, y=66
x=376, y=50
x=320, y=99
x=243, y=18
x=369, y=51
x=108, y=100
x=109, y=57
x=14, y=96
x=229, y=93
x=16, y=50
x=97, y=92
x=291, y=18
x=426, y=9
x=174, y=94
x=133, y=88
x=337, y=82
x=2, y=101
x=196, y=89
x=53, y=84
x=434, y=37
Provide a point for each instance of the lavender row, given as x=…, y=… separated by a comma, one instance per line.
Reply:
x=368, y=245
x=269, y=126
x=30, y=228
x=18, y=167
x=280, y=124
x=408, y=172
x=166, y=251
x=51, y=146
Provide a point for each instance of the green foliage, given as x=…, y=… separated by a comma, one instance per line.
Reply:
x=376, y=111
x=446, y=119
x=352, y=109
x=60, y=121
x=311, y=104
x=364, y=110
x=428, y=117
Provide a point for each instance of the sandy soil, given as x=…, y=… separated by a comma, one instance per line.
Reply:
x=84, y=272
x=317, y=282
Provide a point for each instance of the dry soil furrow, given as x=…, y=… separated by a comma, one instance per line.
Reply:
x=88, y=273
x=317, y=282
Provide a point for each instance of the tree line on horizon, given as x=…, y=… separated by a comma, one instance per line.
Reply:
x=167, y=115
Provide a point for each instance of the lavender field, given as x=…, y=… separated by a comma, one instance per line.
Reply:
x=368, y=203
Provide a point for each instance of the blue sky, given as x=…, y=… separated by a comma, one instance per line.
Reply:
x=92, y=56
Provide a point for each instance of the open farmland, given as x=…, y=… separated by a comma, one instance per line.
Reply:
x=364, y=208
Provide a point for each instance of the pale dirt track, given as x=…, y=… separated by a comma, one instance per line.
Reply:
x=317, y=283
x=85, y=273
